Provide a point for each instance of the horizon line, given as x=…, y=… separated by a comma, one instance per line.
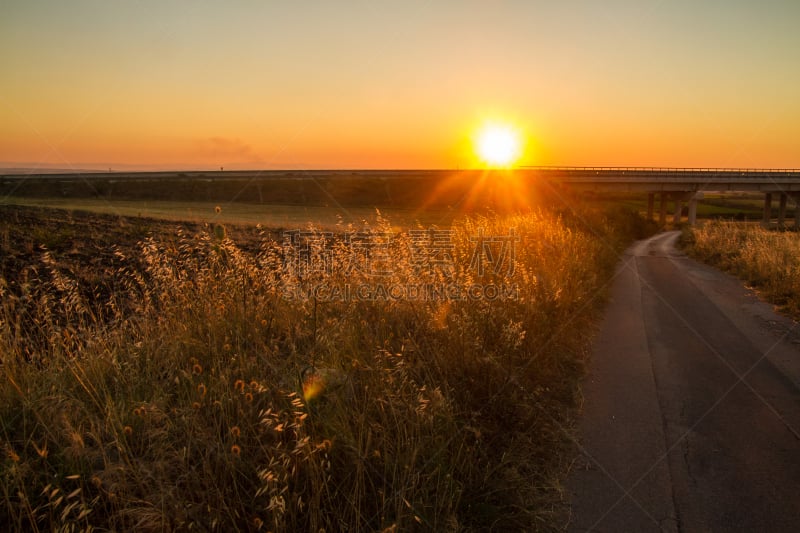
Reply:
x=31, y=171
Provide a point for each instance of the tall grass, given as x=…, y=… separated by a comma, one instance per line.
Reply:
x=196, y=395
x=768, y=260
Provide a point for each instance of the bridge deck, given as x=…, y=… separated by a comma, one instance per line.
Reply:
x=647, y=179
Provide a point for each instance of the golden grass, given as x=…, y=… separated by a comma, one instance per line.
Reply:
x=768, y=260
x=198, y=396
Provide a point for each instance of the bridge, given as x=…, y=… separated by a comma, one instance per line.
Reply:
x=681, y=185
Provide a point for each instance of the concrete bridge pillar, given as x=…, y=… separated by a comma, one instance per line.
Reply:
x=782, y=211
x=676, y=219
x=693, y=198
x=767, y=209
x=662, y=214
x=650, y=202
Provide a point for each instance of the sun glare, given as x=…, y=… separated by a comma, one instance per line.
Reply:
x=498, y=145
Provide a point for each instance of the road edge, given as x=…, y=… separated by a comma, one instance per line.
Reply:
x=621, y=482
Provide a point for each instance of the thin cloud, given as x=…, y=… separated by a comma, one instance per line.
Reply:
x=228, y=150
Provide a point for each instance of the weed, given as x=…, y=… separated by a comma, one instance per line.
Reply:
x=768, y=260
x=195, y=394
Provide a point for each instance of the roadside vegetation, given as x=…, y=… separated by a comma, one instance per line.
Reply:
x=768, y=260
x=191, y=382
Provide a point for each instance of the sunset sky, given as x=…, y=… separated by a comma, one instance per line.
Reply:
x=372, y=84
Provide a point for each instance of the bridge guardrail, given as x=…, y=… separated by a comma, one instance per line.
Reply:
x=667, y=170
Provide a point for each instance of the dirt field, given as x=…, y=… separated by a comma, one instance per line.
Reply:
x=85, y=243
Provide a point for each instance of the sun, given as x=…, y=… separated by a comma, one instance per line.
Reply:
x=498, y=145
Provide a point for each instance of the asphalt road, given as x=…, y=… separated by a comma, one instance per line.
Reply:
x=691, y=415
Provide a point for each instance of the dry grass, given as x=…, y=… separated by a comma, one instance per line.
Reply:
x=196, y=395
x=768, y=260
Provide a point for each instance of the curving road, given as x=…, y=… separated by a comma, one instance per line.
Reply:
x=691, y=407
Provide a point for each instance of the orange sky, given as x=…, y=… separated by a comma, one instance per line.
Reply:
x=245, y=84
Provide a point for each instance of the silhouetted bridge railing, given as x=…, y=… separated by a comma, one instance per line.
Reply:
x=680, y=184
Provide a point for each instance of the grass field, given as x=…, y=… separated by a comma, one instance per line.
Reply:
x=274, y=216
x=769, y=260
x=740, y=206
x=432, y=189
x=171, y=376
